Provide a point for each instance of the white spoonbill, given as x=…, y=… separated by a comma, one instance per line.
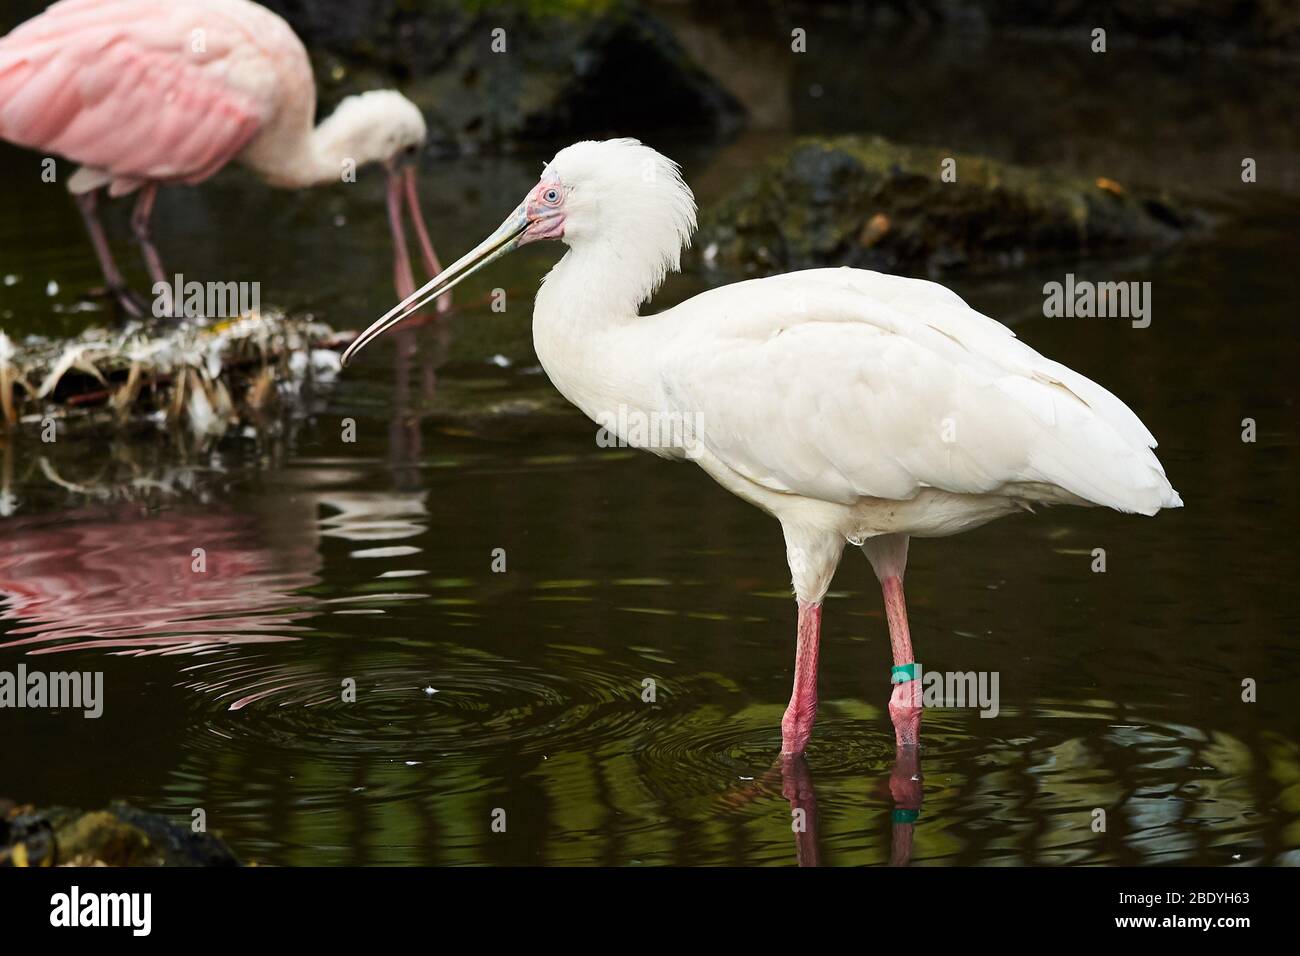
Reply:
x=146, y=92
x=852, y=406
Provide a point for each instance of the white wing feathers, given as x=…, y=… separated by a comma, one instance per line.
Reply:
x=841, y=384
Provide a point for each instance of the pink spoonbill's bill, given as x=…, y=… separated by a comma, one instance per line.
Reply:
x=852, y=406
x=142, y=93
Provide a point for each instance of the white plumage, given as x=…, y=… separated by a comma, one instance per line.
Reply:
x=853, y=406
x=842, y=384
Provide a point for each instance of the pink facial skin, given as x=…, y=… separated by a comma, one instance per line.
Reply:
x=544, y=208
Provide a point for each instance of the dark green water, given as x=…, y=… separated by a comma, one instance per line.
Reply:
x=372, y=562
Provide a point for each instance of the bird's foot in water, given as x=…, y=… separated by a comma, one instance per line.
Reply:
x=905, y=712
x=797, y=727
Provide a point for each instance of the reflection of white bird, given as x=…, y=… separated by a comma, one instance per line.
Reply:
x=852, y=406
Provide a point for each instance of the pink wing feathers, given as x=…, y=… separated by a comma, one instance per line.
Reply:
x=140, y=89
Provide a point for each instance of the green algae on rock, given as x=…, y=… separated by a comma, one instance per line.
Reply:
x=870, y=203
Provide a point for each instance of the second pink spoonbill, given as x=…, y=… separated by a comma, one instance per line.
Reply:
x=143, y=93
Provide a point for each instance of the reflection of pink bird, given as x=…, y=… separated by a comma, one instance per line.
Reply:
x=144, y=92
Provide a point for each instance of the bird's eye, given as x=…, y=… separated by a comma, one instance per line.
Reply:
x=551, y=196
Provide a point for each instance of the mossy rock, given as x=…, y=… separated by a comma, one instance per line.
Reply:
x=101, y=838
x=120, y=835
x=867, y=202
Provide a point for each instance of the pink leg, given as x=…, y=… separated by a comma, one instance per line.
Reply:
x=888, y=556
x=431, y=262
x=905, y=702
x=88, y=204
x=797, y=725
x=403, y=279
x=140, y=218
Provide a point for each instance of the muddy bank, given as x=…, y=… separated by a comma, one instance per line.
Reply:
x=869, y=203
x=119, y=835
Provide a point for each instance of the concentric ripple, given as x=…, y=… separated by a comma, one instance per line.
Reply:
x=452, y=700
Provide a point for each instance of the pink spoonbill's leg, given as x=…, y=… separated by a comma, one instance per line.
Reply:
x=431, y=263
x=403, y=279
x=797, y=725
x=88, y=204
x=140, y=220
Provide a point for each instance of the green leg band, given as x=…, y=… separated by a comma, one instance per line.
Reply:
x=905, y=816
x=902, y=673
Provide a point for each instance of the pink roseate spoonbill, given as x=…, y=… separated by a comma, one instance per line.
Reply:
x=142, y=93
x=852, y=406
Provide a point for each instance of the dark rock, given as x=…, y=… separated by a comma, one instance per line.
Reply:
x=571, y=68
x=870, y=203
